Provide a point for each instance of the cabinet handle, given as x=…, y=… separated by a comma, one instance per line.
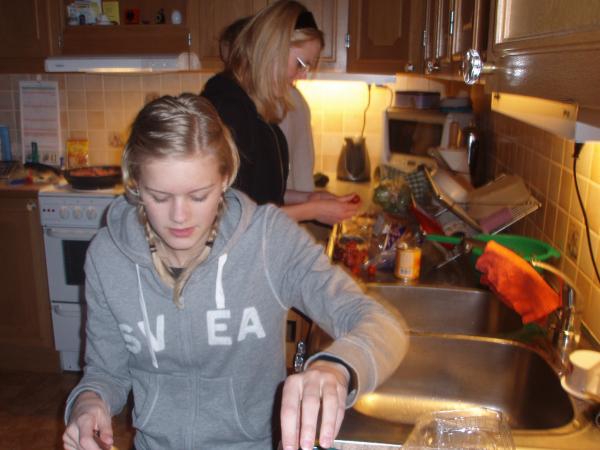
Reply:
x=432, y=65
x=347, y=40
x=473, y=67
x=31, y=205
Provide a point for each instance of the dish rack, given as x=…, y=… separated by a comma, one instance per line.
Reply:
x=452, y=216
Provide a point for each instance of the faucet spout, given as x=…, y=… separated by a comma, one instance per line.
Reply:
x=565, y=327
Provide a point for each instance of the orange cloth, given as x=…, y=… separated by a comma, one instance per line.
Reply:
x=516, y=283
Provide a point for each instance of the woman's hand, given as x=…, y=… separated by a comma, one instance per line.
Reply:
x=331, y=209
x=323, y=383
x=89, y=426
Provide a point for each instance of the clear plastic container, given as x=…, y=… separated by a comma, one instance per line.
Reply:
x=469, y=429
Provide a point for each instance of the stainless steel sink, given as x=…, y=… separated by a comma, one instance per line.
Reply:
x=448, y=309
x=442, y=373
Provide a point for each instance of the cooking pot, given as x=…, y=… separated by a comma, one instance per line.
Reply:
x=93, y=177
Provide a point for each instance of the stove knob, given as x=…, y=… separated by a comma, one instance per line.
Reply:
x=77, y=214
x=91, y=213
x=63, y=212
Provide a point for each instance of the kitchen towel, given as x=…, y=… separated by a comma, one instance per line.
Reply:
x=516, y=283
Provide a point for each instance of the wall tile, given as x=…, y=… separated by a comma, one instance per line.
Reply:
x=151, y=83
x=113, y=100
x=93, y=82
x=94, y=100
x=75, y=82
x=575, y=207
x=131, y=83
x=564, y=194
x=585, y=261
x=170, y=84
x=593, y=211
x=77, y=120
x=595, y=170
x=96, y=120
x=112, y=82
x=5, y=82
x=76, y=100
x=6, y=100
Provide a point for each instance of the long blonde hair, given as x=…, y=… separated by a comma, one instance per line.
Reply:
x=259, y=55
x=183, y=126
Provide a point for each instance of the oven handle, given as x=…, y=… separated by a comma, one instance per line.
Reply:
x=65, y=312
x=65, y=233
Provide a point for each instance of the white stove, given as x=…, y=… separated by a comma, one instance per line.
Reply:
x=63, y=206
x=70, y=219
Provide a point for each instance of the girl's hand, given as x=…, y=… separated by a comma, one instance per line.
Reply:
x=325, y=383
x=89, y=426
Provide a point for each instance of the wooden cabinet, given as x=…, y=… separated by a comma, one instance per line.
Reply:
x=27, y=34
x=385, y=36
x=26, y=341
x=145, y=37
x=550, y=52
x=209, y=17
x=451, y=28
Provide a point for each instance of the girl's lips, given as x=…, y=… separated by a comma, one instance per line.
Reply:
x=181, y=232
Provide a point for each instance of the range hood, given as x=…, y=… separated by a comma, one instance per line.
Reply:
x=561, y=119
x=122, y=63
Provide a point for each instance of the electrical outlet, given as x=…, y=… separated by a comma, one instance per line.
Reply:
x=573, y=244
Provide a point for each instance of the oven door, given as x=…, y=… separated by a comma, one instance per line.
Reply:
x=65, y=257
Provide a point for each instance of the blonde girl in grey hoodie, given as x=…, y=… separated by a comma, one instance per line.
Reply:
x=188, y=288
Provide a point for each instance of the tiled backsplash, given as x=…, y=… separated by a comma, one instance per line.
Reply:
x=100, y=108
x=545, y=162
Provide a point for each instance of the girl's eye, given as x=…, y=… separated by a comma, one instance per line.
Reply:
x=200, y=198
x=159, y=199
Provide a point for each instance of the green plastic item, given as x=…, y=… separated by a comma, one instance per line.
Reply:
x=526, y=247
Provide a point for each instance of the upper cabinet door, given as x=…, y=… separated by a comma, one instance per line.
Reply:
x=209, y=18
x=385, y=36
x=332, y=18
x=144, y=36
x=549, y=52
x=438, y=36
x=452, y=28
x=470, y=27
x=26, y=34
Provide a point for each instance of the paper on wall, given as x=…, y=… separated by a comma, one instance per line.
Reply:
x=40, y=121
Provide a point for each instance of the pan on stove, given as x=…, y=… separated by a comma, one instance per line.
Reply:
x=93, y=177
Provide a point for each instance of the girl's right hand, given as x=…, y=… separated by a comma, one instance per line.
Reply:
x=89, y=426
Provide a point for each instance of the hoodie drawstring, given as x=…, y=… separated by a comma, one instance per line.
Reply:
x=145, y=315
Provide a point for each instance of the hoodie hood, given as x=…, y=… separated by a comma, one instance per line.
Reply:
x=128, y=234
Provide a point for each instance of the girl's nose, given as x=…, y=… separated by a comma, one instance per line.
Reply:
x=179, y=210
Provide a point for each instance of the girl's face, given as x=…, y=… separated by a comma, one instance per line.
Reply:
x=181, y=197
x=302, y=59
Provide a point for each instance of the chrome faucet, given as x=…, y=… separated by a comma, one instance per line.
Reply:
x=564, y=326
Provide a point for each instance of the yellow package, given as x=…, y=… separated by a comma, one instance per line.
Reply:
x=77, y=153
x=111, y=10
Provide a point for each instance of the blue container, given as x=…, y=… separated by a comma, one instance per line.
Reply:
x=5, y=149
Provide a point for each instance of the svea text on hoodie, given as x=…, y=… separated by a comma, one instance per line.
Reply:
x=205, y=376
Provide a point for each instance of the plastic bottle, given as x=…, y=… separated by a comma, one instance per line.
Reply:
x=5, y=150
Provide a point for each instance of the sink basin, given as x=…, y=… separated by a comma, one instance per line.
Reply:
x=453, y=372
x=448, y=309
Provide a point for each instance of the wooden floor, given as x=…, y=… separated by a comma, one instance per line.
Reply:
x=31, y=411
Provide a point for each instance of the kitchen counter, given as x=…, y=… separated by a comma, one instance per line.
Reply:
x=361, y=432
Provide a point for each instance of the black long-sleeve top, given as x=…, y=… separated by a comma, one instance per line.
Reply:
x=264, y=159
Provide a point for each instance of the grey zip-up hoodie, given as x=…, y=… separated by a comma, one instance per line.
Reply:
x=205, y=376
